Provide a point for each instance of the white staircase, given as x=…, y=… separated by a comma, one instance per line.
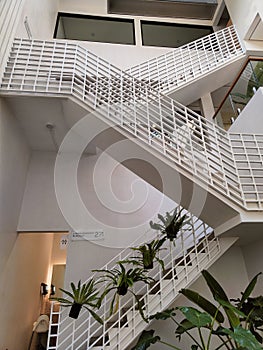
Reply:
x=176, y=73
x=195, y=249
x=201, y=152
x=181, y=140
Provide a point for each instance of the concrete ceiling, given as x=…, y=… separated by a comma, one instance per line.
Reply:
x=34, y=113
x=196, y=9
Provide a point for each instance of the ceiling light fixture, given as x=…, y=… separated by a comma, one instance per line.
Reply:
x=51, y=128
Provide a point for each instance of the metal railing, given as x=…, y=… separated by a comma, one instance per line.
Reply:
x=197, y=146
x=248, y=156
x=180, y=66
x=10, y=11
x=183, y=261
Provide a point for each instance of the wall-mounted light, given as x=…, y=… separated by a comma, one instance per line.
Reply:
x=43, y=289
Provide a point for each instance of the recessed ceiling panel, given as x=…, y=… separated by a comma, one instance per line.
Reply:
x=197, y=9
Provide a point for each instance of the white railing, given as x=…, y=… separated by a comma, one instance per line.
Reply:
x=248, y=155
x=10, y=11
x=198, y=147
x=183, y=261
x=180, y=66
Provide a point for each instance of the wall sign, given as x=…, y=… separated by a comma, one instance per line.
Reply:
x=94, y=235
x=63, y=242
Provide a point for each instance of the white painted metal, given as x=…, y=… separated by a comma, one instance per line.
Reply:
x=185, y=138
x=171, y=71
x=194, y=249
x=248, y=155
x=10, y=11
x=197, y=146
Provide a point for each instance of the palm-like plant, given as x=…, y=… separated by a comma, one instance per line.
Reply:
x=170, y=224
x=121, y=281
x=236, y=327
x=83, y=295
x=149, y=254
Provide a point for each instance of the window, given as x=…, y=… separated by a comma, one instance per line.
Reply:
x=170, y=34
x=94, y=28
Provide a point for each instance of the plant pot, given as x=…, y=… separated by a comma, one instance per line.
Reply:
x=75, y=310
x=148, y=266
x=122, y=290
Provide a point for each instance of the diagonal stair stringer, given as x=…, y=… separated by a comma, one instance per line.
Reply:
x=170, y=289
x=190, y=142
x=194, y=69
x=195, y=249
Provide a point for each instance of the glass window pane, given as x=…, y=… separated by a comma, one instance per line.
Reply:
x=98, y=29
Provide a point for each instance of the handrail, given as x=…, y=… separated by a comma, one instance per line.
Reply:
x=196, y=145
x=194, y=235
x=183, y=137
x=180, y=66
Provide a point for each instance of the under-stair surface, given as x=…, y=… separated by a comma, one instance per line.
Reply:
x=194, y=249
x=178, y=73
x=183, y=141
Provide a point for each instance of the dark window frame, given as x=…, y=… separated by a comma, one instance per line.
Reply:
x=109, y=19
x=170, y=24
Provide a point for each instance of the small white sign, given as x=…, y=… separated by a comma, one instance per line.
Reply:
x=63, y=242
x=94, y=235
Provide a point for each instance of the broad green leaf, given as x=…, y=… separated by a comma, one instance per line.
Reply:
x=214, y=286
x=197, y=318
x=249, y=289
x=229, y=306
x=203, y=303
x=219, y=294
x=183, y=327
x=244, y=338
x=96, y=316
x=146, y=339
x=168, y=313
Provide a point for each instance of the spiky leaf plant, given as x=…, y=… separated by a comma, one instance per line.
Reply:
x=121, y=280
x=170, y=224
x=84, y=295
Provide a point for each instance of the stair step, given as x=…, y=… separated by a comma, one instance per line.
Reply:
x=154, y=287
x=168, y=274
x=122, y=322
x=99, y=340
x=119, y=319
x=182, y=261
x=200, y=248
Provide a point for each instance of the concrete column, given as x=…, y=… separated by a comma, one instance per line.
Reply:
x=207, y=106
x=138, y=33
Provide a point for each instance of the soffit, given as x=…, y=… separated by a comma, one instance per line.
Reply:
x=195, y=9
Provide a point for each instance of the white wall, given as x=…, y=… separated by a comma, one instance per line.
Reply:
x=14, y=158
x=27, y=267
x=115, y=199
x=231, y=273
x=84, y=256
x=250, y=119
x=41, y=16
x=243, y=13
x=254, y=263
x=123, y=56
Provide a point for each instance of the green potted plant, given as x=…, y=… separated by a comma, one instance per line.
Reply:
x=121, y=281
x=236, y=325
x=149, y=254
x=170, y=224
x=83, y=295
